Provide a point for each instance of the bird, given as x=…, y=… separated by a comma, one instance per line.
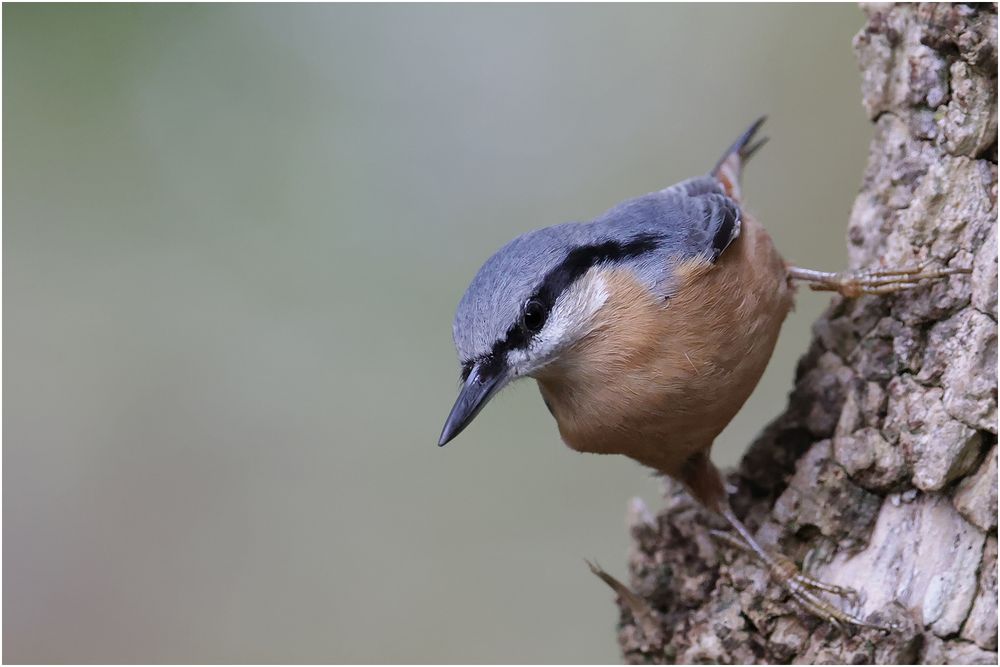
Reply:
x=646, y=330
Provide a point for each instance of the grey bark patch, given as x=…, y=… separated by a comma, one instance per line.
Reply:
x=981, y=625
x=976, y=495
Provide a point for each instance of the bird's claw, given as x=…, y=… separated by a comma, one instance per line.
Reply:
x=803, y=588
x=853, y=284
x=843, y=591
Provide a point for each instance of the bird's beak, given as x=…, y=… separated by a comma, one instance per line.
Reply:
x=478, y=389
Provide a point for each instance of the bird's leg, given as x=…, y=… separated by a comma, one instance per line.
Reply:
x=705, y=483
x=801, y=587
x=869, y=281
x=738, y=543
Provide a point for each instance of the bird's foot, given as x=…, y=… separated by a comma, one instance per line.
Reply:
x=853, y=284
x=803, y=589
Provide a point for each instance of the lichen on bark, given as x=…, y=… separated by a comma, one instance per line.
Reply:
x=881, y=474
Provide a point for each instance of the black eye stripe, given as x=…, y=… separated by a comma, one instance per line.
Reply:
x=576, y=263
x=581, y=259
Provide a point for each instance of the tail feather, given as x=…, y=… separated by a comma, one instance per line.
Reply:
x=729, y=169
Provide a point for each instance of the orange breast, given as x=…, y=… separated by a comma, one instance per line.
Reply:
x=658, y=380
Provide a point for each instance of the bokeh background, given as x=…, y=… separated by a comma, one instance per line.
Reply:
x=234, y=240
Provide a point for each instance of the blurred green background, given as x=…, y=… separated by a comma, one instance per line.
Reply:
x=235, y=237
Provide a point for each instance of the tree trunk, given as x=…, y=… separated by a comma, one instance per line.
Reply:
x=882, y=472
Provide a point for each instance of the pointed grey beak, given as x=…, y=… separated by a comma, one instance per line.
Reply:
x=475, y=393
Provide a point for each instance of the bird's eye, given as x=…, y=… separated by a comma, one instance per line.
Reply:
x=533, y=315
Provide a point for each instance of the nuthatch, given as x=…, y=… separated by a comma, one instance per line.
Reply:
x=647, y=329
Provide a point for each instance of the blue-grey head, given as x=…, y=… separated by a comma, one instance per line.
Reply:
x=531, y=300
x=540, y=293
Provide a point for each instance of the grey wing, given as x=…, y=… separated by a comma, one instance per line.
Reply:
x=706, y=218
x=694, y=218
x=699, y=185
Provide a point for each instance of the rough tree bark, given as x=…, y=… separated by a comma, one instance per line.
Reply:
x=882, y=472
